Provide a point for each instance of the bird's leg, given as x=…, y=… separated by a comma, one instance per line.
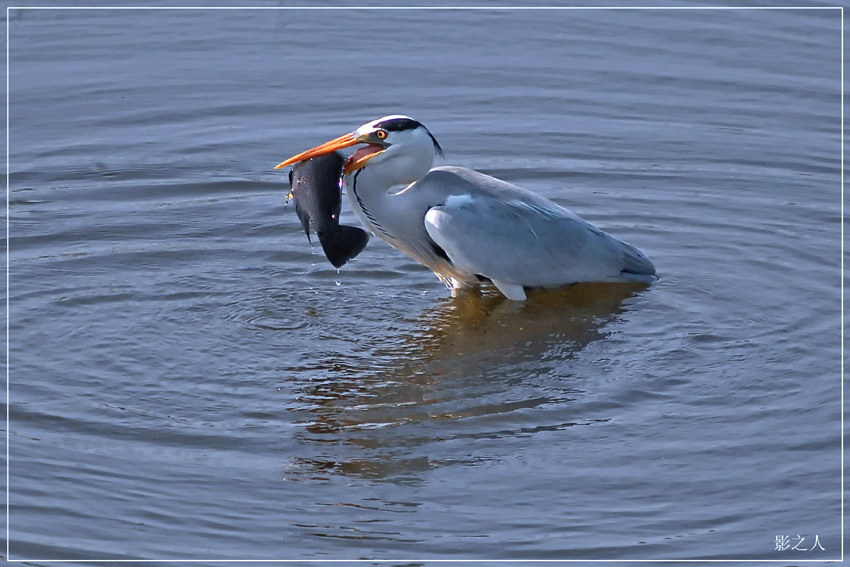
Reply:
x=513, y=292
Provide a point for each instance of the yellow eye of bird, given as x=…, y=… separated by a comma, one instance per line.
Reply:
x=381, y=134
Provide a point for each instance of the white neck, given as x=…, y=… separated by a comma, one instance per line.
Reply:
x=370, y=198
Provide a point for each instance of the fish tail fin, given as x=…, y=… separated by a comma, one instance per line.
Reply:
x=343, y=244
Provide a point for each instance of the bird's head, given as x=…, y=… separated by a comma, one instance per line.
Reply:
x=400, y=143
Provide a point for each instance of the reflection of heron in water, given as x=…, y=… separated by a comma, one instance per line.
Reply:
x=564, y=320
x=468, y=357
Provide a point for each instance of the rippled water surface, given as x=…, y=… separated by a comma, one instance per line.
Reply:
x=190, y=380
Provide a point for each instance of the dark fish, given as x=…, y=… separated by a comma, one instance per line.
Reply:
x=315, y=187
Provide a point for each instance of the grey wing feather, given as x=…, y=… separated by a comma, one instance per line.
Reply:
x=504, y=232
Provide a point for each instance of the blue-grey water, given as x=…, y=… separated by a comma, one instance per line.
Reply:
x=188, y=379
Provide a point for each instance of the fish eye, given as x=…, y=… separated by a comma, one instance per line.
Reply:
x=381, y=134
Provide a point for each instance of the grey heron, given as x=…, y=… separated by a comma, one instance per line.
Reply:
x=469, y=227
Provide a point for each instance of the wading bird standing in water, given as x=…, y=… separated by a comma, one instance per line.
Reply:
x=469, y=227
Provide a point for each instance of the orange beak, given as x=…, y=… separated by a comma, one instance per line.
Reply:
x=344, y=141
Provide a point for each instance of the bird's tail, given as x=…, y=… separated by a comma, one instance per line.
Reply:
x=343, y=244
x=638, y=268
